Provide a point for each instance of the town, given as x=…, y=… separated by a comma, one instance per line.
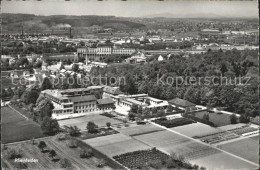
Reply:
x=106, y=92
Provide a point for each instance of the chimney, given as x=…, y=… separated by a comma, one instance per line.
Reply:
x=70, y=32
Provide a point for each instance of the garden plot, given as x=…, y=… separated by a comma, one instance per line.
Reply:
x=196, y=129
x=245, y=148
x=116, y=144
x=171, y=142
x=140, y=129
x=81, y=122
x=223, y=161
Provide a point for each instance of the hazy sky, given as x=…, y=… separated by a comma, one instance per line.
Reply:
x=132, y=8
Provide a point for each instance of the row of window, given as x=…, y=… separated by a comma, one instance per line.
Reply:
x=85, y=106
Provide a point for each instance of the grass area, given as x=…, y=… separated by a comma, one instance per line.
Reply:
x=81, y=122
x=23, y=110
x=217, y=119
x=245, y=148
x=140, y=129
x=256, y=138
x=116, y=144
x=29, y=150
x=195, y=129
x=223, y=161
x=16, y=128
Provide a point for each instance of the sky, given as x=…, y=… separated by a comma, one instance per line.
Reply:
x=133, y=8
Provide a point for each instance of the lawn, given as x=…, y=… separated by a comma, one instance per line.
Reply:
x=245, y=148
x=196, y=129
x=223, y=161
x=217, y=119
x=255, y=138
x=17, y=128
x=45, y=162
x=116, y=144
x=81, y=122
x=171, y=142
x=140, y=129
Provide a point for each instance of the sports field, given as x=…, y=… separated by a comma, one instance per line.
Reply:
x=245, y=148
x=81, y=122
x=140, y=129
x=195, y=129
x=16, y=128
x=116, y=144
x=44, y=161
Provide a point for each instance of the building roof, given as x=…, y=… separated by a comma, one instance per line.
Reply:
x=133, y=101
x=105, y=101
x=83, y=98
x=112, y=90
x=181, y=102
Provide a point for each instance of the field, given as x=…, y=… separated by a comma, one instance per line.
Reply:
x=116, y=144
x=195, y=129
x=223, y=161
x=245, y=148
x=81, y=122
x=44, y=161
x=17, y=128
x=140, y=129
x=171, y=142
x=217, y=119
x=256, y=138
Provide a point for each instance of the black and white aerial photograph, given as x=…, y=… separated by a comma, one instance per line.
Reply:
x=129, y=85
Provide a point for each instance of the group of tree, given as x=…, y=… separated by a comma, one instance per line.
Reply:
x=172, y=78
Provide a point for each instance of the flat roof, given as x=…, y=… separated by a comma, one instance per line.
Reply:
x=83, y=98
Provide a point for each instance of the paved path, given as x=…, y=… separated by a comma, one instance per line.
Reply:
x=206, y=144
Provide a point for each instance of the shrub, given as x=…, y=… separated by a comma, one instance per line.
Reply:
x=92, y=127
x=170, y=163
x=101, y=163
x=65, y=163
x=12, y=153
x=86, y=153
x=61, y=137
x=72, y=143
x=173, y=122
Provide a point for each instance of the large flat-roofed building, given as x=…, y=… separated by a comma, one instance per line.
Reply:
x=100, y=52
x=71, y=57
x=76, y=102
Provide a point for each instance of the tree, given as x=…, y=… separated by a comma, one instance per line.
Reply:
x=92, y=127
x=75, y=67
x=243, y=119
x=108, y=125
x=131, y=116
x=46, y=84
x=233, y=119
x=52, y=154
x=134, y=108
x=86, y=153
x=42, y=145
x=10, y=92
x=49, y=125
x=65, y=163
x=206, y=117
x=73, y=130
x=30, y=96
x=169, y=109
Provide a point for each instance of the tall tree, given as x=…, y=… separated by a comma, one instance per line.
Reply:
x=46, y=84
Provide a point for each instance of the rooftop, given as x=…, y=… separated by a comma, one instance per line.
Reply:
x=105, y=101
x=181, y=102
x=83, y=98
